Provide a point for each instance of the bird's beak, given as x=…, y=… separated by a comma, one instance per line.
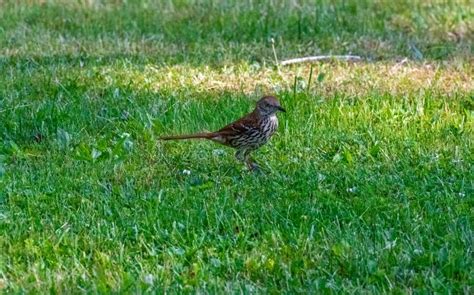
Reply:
x=281, y=109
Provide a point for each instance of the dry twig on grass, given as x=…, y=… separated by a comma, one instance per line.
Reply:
x=321, y=58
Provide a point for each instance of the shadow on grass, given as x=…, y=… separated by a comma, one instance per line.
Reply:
x=208, y=33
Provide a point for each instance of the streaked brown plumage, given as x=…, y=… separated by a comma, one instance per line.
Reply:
x=246, y=134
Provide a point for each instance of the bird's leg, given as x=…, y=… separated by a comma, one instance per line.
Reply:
x=240, y=155
x=252, y=165
x=244, y=156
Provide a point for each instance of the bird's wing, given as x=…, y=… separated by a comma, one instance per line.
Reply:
x=241, y=126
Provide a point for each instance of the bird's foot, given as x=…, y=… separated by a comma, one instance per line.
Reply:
x=254, y=167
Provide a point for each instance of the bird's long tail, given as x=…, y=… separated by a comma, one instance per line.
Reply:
x=206, y=135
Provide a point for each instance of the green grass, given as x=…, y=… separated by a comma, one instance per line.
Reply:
x=367, y=187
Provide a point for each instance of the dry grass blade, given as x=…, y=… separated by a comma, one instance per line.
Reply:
x=321, y=58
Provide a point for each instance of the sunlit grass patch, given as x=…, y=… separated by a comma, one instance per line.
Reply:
x=357, y=79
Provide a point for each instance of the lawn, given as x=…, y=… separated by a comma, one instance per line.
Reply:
x=367, y=187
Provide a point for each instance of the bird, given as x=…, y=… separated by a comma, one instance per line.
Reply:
x=245, y=134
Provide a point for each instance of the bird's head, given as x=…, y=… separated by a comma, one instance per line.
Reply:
x=269, y=105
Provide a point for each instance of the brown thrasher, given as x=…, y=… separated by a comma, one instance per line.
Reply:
x=247, y=133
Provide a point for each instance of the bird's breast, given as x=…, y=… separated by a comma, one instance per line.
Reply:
x=271, y=125
x=267, y=128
